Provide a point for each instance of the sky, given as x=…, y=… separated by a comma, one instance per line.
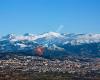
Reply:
x=39, y=16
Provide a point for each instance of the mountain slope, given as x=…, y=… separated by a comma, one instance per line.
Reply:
x=52, y=44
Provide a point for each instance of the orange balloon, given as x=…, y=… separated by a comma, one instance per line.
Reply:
x=39, y=50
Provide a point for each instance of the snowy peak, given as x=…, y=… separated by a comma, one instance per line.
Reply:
x=54, y=37
x=9, y=36
x=50, y=35
x=28, y=34
x=88, y=38
x=53, y=34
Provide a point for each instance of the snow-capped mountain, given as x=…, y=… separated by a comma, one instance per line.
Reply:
x=65, y=38
x=51, y=41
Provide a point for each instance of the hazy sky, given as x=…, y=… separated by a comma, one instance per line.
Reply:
x=38, y=16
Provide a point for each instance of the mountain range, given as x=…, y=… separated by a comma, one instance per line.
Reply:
x=51, y=44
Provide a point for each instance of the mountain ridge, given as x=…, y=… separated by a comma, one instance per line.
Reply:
x=52, y=44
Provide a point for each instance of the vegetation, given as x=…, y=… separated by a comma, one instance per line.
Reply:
x=30, y=75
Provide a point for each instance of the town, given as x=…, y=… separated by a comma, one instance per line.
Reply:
x=21, y=65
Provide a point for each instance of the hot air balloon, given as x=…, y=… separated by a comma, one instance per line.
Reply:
x=39, y=50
